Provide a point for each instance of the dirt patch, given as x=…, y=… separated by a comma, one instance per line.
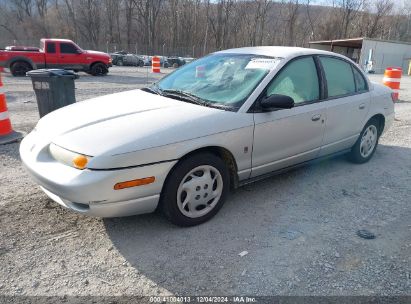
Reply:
x=299, y=228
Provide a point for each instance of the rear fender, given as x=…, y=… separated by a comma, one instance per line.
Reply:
x=12, y=60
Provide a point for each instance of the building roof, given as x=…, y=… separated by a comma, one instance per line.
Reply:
x=276, y=51
x=353, y=42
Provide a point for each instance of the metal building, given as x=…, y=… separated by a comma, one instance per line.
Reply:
x=372, y=55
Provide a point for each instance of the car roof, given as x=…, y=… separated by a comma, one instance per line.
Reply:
x=278, y=51
x=56, y=40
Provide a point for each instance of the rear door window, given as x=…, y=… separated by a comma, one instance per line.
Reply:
x=51, y=47
x=339, y=76
x=360, y=81
x=67, y=48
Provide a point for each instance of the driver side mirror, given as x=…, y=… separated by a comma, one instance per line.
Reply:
x=79, y=51
x=276, y=102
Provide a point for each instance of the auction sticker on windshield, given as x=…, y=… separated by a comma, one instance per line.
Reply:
x=262, y=63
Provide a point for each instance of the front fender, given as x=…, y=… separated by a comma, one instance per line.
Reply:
x=238, y=142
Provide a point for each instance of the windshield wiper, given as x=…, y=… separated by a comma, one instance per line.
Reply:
x=152, y=90
x=221, y=107
x=184, y=95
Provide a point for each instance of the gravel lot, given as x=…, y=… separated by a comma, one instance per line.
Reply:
x=299, y=228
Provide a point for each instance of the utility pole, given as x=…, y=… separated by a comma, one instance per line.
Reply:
x=205, y=40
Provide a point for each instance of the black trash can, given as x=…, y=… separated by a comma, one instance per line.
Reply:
x=54, y=88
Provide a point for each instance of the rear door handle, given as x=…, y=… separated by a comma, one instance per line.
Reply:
x=316, y=117
x=362, y=106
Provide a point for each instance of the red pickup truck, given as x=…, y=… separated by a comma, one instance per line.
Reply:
x=54, y=53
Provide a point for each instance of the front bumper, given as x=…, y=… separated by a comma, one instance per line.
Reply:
x=91, y=192
x=124, y=208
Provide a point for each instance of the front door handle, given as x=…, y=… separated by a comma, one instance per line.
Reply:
x=316, y=117
x=362, y=106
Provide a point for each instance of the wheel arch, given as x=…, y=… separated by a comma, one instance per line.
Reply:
x=95, y=62
x=220, y=152
x=381, y=119
x=21, y=59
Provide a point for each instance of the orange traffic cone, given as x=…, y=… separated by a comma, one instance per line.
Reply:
x=7, y=135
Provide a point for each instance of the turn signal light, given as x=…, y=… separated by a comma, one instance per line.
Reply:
x=80, y=162
x=135, y=183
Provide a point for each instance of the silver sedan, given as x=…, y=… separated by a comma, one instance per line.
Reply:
x=217, y=123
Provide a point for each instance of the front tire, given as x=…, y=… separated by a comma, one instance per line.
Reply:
x=195, y=190
x=366, y=143
x=98, y=69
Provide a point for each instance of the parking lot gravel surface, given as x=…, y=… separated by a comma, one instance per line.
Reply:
x=293, y=234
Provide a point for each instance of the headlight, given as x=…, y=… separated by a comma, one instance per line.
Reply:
x=68, y=157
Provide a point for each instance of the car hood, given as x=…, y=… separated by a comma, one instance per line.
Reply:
x=131, y=121
x=89, y=52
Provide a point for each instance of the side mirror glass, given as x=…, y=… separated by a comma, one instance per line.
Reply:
x=277, y=101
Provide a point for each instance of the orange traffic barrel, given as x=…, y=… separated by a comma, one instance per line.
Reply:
x=392, y=78
x=155, y=64
x=7, y=135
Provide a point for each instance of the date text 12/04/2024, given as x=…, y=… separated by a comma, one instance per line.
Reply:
x=202, y=299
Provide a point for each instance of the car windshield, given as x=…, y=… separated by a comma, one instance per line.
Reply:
x=219, y=80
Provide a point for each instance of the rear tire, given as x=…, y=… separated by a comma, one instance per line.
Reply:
x=98, y=69
x=195, y=190
x=20, y=68
x=366, y=143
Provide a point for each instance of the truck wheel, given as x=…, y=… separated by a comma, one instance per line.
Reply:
x=98, y=69
x=120, y=63
x=141, y=64
x=20, y=68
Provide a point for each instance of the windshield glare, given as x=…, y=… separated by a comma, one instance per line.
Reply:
x=220, y=79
